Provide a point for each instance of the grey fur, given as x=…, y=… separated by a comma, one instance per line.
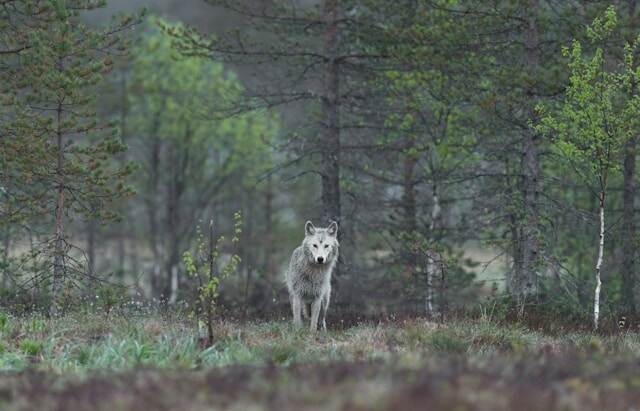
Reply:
x=309, y=274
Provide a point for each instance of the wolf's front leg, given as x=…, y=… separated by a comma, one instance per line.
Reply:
x=325, y=307
x=296, y=307
x=315, y=313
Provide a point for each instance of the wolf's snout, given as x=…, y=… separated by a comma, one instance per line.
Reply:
x=320, y=260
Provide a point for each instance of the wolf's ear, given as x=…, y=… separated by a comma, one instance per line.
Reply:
x=309, y=228
x=333, y=228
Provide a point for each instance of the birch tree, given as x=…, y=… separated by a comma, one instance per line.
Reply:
x=188, y=158
x=594, y=121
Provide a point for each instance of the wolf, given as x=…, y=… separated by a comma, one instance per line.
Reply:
x=309, y=275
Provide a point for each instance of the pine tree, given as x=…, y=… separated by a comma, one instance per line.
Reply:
x=59, y=150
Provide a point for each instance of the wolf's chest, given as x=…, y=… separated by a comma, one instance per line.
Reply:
x=312, y=283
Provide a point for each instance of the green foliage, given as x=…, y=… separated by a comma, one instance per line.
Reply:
x=49, y=94
x=203, y=265
x=5, y=323
x=599, y=112
x=108, y=297
x=597, y=117
x=187, y=103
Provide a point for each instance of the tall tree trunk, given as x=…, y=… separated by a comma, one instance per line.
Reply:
x=330, y=146
x=6, y=250
x=629, y=229
x=628, y=205
x=528, y=284
x=59, y=240
x=433, y=259
x=152, y=211
x=596, y=300
x=246, y=253
x=91, y=246
x=515, y=274
x=122, y=229
x=268, y=267
x=513, y=283
x=134, y=264
x=121, y=252
x=172, y=242
x=174, y=201
x=409, y=225
x=6, y=238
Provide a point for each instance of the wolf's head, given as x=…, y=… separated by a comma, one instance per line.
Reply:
x=320, y=244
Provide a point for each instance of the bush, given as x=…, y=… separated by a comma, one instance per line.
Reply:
x=204, y=266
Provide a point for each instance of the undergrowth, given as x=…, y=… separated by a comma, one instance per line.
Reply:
x=82, y=342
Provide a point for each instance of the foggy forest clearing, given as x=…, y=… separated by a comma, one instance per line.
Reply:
x=190, y=188
x=151, y=361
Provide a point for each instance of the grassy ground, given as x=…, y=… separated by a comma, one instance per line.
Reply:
x=151, y=361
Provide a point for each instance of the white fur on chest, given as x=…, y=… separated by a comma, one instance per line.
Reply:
x=307, y=279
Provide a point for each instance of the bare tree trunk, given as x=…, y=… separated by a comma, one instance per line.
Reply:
x=410, y=252
x=514, y=275
x=432, y=257
x=428, y=291
x=246, y=254
x=629, y=229
x=152, y=212
x=124, y=111
x=174, y=200
x=35, y=288
x=209, y=299
x=628, y=213
x=528, y=284
x=172, y=243
x=513, y=283
x=59, y=240
x=121, y=251
x=6, y=239
x=331, y=143
x=596, y=300
x=6, y=245
x=409, y=209
x=134, y=264
x=91, y=246
x=268, y=263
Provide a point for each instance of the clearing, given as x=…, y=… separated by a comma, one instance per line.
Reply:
x=153, y=361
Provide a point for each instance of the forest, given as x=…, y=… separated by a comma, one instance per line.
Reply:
x=475, y=160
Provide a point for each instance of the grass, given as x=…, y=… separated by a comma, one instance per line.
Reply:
x=354, y=368
x=79, y=343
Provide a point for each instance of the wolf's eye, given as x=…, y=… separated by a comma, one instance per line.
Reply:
x=326, y=246
x=315, y=245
